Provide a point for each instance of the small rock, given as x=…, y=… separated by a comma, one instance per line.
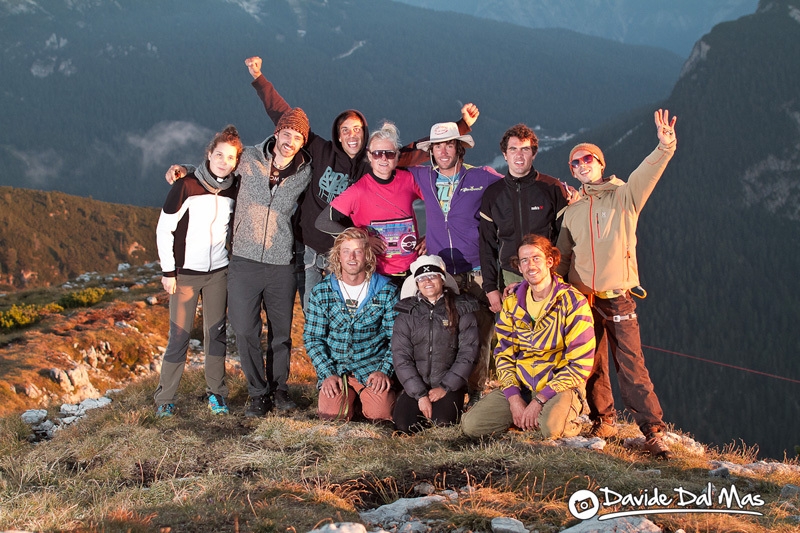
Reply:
x=628, y=524
x=653, y=472
x=47, y=428
x=508, y=525
x=424, y=489
x=32, y=391
x=69, y=409
x=34, y=416
x=413, y=527
x=95, y=403
x=195, y=344
x=789, y=492
x=399, y=509
x=61, y=377
x=593, y=443
x=123, y=267
x=345, y=527
x=720, y=472
x=152, y=300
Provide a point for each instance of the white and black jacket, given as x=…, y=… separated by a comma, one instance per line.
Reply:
x=193, y=232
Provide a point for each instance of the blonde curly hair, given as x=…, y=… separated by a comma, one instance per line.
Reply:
x=355, y=234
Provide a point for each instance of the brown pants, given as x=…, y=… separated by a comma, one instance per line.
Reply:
x=374, y=406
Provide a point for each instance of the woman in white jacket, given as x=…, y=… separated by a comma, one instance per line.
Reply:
x=193, y=240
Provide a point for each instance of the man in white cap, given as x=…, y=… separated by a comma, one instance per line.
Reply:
x=452, y=191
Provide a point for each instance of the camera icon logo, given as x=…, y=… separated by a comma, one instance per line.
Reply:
x=583, y=504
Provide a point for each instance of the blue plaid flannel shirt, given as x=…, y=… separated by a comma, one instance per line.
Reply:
x=359, y=344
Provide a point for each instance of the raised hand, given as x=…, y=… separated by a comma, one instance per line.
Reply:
x=470, y=113
x=254, y=66
x=665, y=127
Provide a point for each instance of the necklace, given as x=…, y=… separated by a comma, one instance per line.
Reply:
x=275, y=165
x=275, y=175
x=349, y=301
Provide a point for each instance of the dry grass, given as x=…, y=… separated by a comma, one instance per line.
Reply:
x=124, y=470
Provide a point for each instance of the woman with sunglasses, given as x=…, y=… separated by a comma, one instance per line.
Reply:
x=382, y=202
x=434, y=346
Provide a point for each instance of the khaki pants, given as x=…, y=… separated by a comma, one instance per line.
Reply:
x=182, y=307
x=492, y=414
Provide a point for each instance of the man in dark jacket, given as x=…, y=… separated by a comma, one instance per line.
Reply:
x=524, y=201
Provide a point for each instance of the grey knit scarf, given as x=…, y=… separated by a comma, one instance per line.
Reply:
x=211, y=183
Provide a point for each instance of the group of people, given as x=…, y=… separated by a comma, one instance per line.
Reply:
x=400, y=326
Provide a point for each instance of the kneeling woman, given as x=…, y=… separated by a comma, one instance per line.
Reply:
x=434, y=346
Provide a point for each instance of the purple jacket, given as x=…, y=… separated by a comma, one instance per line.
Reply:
x=454, y=236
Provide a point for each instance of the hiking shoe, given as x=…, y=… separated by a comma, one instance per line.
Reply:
x=217, y=405
x=283, y=402
x=165, y=410
x=259, y=406
x=603, y=429
x=654, y=444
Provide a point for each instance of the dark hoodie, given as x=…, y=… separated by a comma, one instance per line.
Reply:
x=332, y=170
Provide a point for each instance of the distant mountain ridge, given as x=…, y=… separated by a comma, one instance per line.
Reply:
x=99, y=97
x=47, y=238
x=674, y=26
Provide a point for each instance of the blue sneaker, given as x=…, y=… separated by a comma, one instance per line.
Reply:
x=165, y=410
x=217, y=405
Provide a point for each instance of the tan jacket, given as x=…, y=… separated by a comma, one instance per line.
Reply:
x=598, y=235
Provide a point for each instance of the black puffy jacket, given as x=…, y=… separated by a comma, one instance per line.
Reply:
x=425, y=354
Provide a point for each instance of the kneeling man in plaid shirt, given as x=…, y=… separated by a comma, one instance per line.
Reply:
x=348, y=332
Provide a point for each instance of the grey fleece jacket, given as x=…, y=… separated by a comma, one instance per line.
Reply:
x=262, y=228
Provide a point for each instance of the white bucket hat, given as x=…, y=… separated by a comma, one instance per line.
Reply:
x=443, y=132
x=423, y=266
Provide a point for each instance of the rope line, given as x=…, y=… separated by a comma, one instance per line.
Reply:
x=723, y=364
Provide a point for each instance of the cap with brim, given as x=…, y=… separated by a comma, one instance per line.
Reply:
x=425, y=265
x=443, y=132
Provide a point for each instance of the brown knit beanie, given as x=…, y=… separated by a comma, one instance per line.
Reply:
x=296, y=120
x=592, y=149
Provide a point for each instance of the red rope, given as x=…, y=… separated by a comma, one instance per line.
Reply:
x=723, y=364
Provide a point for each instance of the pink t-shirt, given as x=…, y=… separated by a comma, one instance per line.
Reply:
x=385, y=209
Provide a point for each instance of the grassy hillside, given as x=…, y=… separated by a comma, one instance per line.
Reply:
x=121, y=469
x=49, y=237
